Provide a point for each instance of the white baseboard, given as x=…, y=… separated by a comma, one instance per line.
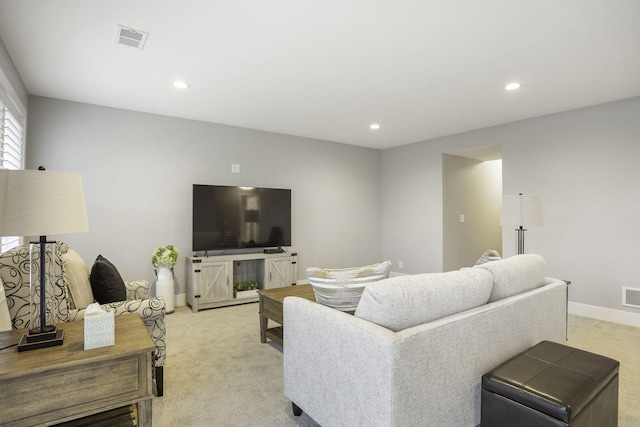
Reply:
x=181, y=300
x=606, y=314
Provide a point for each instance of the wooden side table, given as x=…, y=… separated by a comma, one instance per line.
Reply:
x=57, y=384
x=271, y=301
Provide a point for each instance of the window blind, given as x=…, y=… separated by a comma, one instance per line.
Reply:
x=11, y=147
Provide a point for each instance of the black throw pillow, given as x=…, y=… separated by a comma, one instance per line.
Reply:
x=106, y=283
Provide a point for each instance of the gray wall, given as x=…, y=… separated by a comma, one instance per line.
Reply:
x=471, y=188
x=584, y=165
x=10, y=79
x=353, y=205
x=138, y=170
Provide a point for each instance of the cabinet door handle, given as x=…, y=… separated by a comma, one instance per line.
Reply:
x=269, y=276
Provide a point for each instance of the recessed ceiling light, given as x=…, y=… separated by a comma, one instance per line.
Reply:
x=374, y=126
x=180, y=85
x=512, y=86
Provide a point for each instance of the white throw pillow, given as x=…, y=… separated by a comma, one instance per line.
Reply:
x=77, y=275
x=488, y=256
x=342, y=288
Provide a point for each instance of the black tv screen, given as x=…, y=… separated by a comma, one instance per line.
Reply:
x=226, y=217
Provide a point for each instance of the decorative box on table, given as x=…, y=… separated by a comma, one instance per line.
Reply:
x=99, y=327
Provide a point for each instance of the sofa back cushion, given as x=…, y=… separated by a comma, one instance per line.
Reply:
x=405, y=301
x=76, y=272
x=516, y=274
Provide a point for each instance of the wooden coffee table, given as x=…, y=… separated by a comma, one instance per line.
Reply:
x=52, y=385
x=271, y=301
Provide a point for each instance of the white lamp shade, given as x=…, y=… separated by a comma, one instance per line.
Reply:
x=40, y=202
x=521, y=210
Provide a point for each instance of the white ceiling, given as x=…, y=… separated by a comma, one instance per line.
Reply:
x=327, y=69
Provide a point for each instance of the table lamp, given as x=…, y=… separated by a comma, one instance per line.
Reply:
x=37, y=203
x=521, y=211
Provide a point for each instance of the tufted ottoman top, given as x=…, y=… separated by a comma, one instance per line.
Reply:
x=552, y=378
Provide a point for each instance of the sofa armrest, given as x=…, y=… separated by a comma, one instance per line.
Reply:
x=137, y=289
x=150, y=310
x=329, y=354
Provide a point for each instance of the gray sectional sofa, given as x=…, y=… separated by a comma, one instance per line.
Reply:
x=414, y=352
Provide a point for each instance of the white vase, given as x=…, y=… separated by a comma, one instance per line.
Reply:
x=164, y=287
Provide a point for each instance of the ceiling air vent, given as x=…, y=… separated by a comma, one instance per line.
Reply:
x=130, y=37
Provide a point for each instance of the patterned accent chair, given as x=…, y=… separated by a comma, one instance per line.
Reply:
x=72, y=293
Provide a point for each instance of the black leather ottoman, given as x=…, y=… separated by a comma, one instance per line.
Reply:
x=551, y=385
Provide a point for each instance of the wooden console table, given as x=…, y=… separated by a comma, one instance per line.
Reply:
x=52, y=385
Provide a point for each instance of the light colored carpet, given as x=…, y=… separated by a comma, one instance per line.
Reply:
x=218, y=373
x=619, y=342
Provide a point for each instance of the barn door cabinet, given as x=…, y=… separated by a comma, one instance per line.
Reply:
x=223, y=280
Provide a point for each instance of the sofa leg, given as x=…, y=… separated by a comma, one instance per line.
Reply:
x=160, y=380
x=296, y=409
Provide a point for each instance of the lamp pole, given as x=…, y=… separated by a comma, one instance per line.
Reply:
x=43, y=288
x=43, y=327
x=520, y=233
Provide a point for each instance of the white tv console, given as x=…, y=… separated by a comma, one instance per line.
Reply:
x=212, y=278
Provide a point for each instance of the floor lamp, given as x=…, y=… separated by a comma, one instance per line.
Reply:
x=521, y=211
x=37, y=203
x=252, y=217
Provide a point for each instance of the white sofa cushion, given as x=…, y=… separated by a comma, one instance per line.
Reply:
x=514, y=275
x=405, y=301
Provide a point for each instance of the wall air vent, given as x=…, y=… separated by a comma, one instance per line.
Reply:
x=631, y=297
x=130, y=37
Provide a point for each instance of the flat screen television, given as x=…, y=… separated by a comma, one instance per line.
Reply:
x=240, y=218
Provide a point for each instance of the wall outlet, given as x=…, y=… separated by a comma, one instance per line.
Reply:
x=400, y=264
x=461, y=218
x=235, y=168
